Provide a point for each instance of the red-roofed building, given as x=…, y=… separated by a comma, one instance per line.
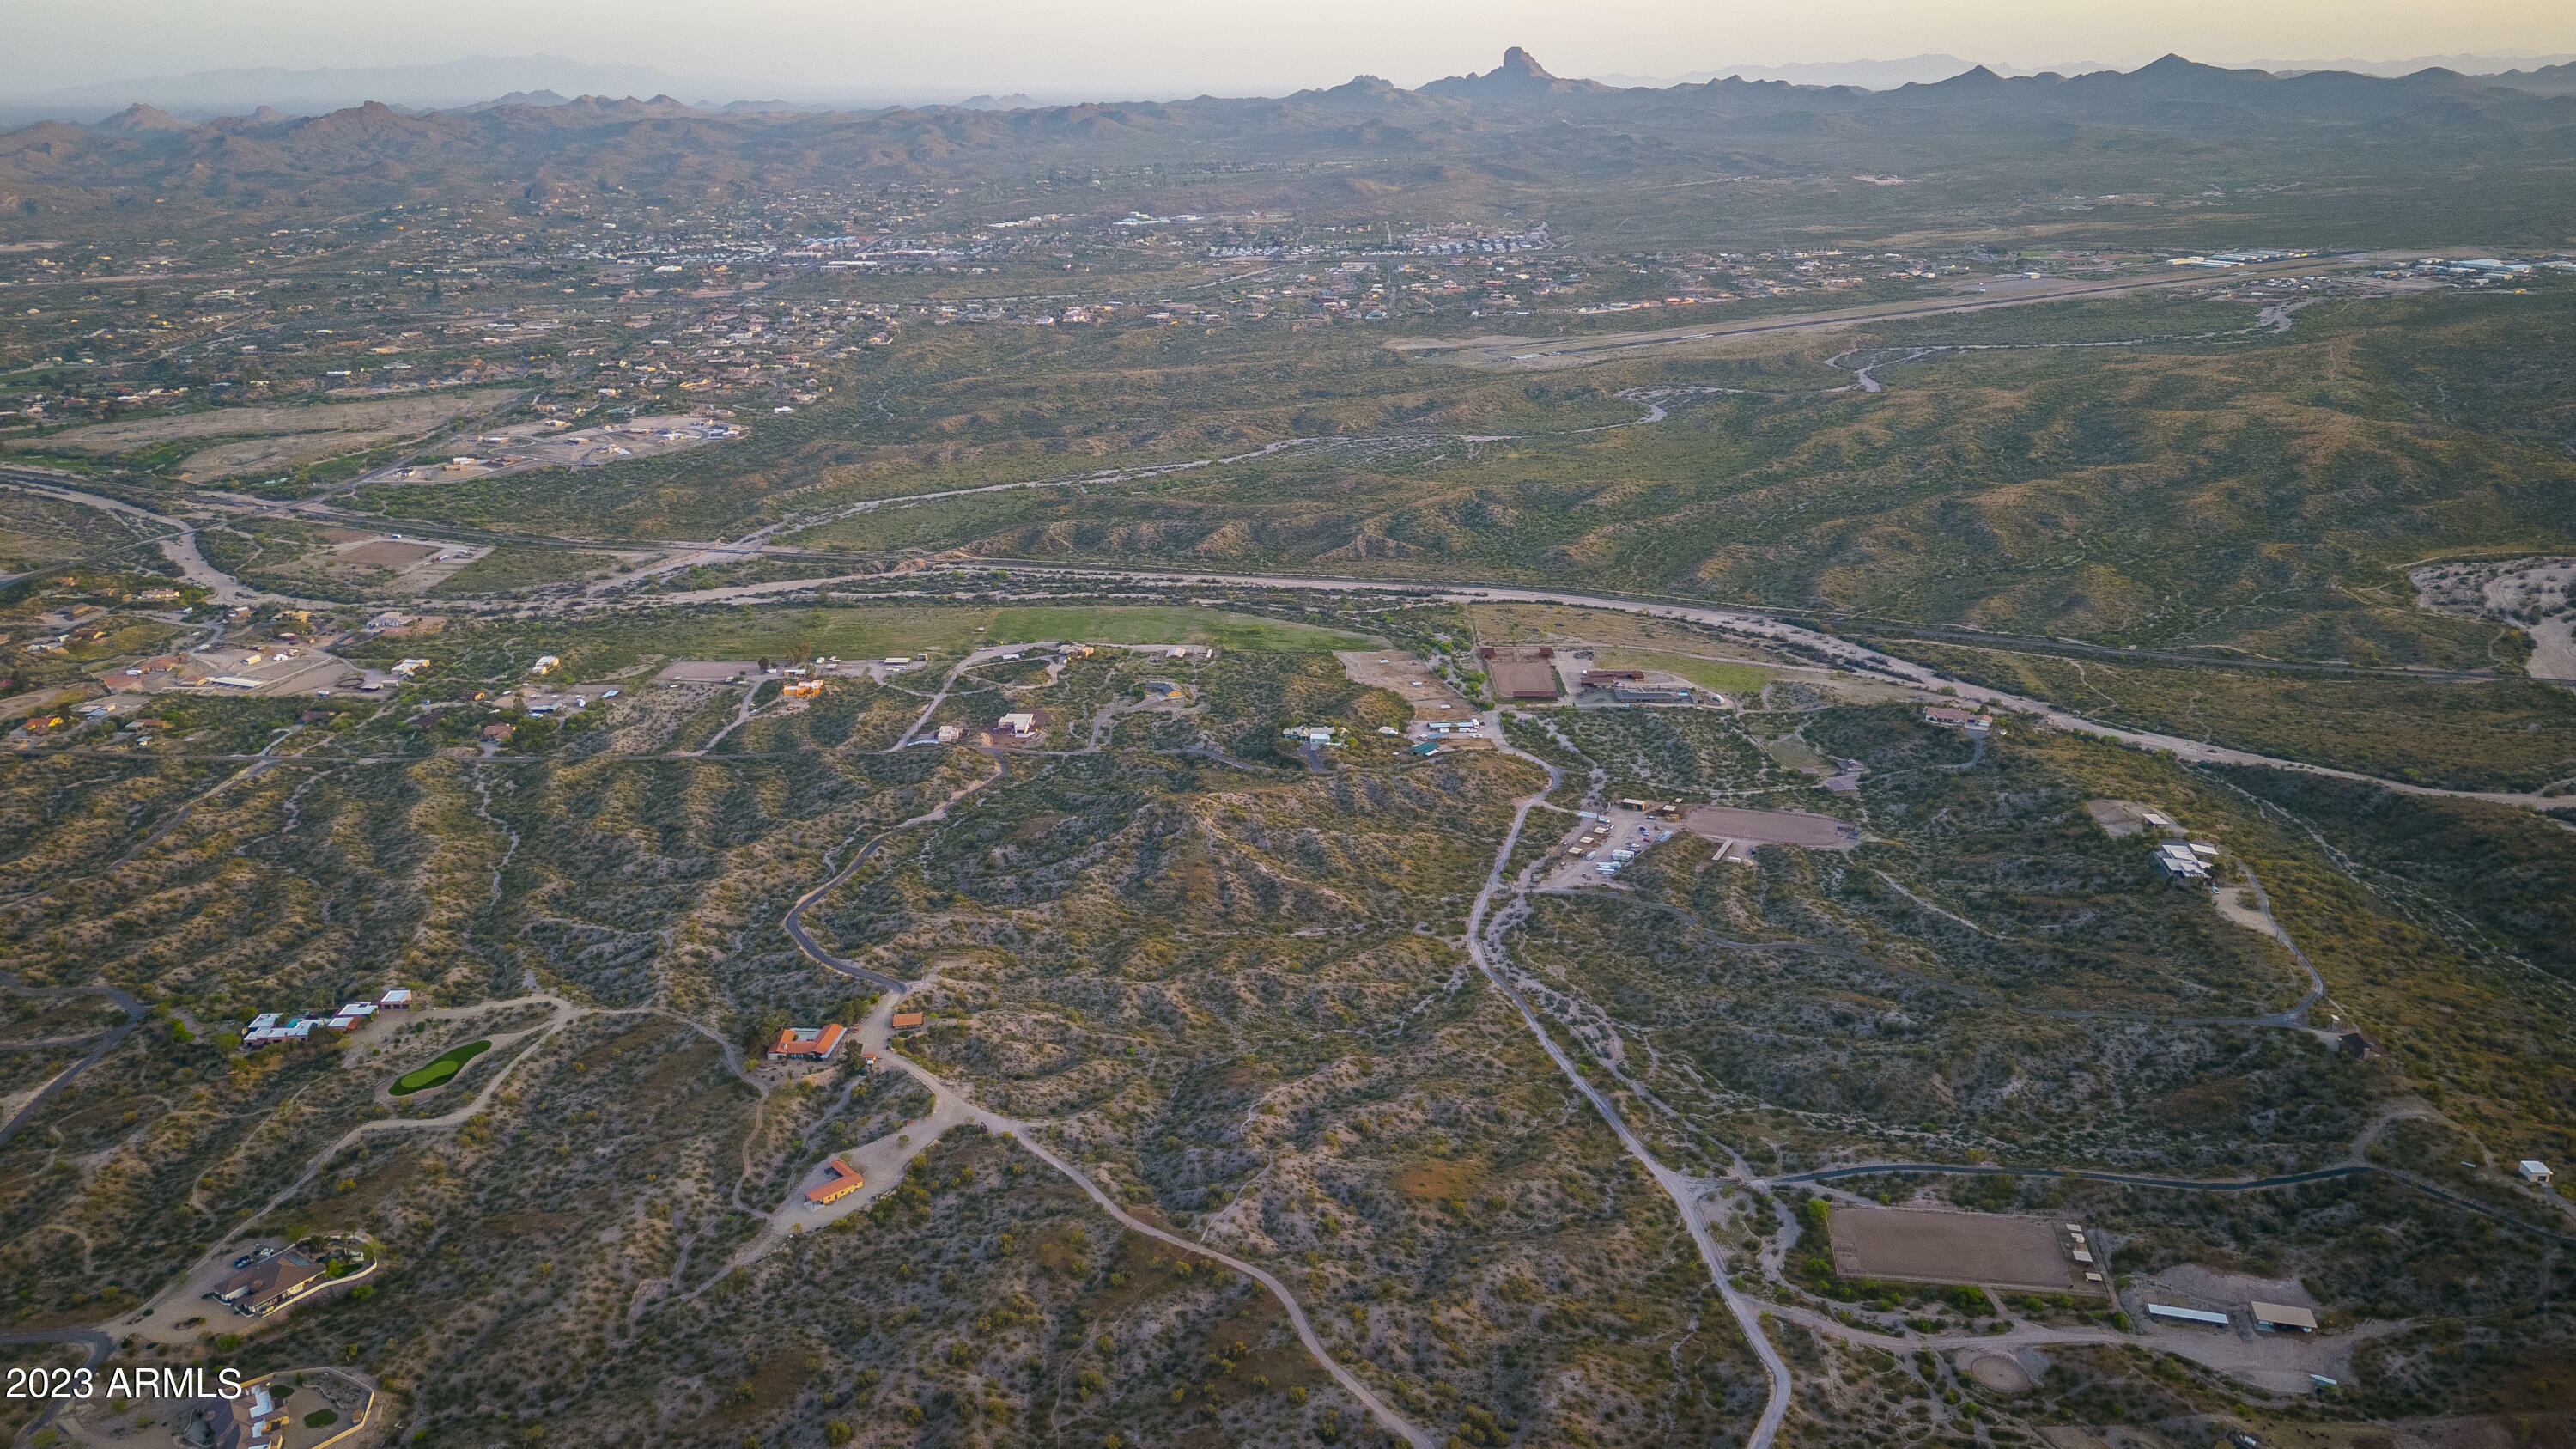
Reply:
x=844, y=1180
x=805, y=1044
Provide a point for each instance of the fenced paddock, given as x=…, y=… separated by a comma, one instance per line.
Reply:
x=1912, y=1246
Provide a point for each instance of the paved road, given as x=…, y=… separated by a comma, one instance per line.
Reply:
x=99, y=1346
x=108, y=1042
x=1842, y=652
x=2202, y=658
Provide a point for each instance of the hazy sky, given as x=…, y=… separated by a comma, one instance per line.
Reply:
x=1136, y=48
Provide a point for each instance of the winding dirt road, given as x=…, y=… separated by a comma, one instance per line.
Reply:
x=955, y=1105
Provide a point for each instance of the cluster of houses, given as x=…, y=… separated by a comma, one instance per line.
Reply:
x=2186, y=860
x=270, y=1027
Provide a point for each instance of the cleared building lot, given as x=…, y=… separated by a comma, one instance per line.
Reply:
x=1770, y=827
x=1914, y=1246
x=1407, y=675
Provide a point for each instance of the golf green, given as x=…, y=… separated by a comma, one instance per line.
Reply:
x=436, y=1072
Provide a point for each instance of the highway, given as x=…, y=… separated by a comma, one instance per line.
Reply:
x=180, y=544
x=1843, y=653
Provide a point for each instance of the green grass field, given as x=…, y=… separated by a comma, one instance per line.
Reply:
x=1168, y=625
x=597, y=649
x=1706, y=673
x=439, y=1069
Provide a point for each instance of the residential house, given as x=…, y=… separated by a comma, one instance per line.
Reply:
x=844, y=1180
x=271, y=1283
x=806, y=1044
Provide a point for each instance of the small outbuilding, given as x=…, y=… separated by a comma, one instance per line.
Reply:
x=2535, y=1171
x=2282, y=1318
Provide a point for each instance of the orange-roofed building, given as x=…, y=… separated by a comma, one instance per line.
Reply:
x=844, y=1180
x=904, y=1018
x=805, y=1043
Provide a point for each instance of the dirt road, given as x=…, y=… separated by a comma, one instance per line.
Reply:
x=1688, y=1193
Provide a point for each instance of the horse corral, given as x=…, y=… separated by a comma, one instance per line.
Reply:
x=1915, y=1246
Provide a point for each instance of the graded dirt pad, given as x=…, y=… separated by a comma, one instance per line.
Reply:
x=706, y=671
x=390, y=417
x=2116, y=817
x=391, y=553
x=1916, y=1246
x=1770, y=827
x=2214, y=1286
x=1406, y=675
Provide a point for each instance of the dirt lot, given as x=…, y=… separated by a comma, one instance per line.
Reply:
x=398, y=415
x=1917, y=1246
x=417, y=565
x=281, y=437
x=523, y=446
x=2122, y=817
x=1564, y=624
x=389, y=553
x=707, y=671
x=1770, y=827
x=2215, y=1289
x=1406, y=675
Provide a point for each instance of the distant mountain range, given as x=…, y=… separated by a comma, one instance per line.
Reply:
x=1870, y=75
x=473, y=80
x=1880, y=75
x=481, y=82
x=1507, y=138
